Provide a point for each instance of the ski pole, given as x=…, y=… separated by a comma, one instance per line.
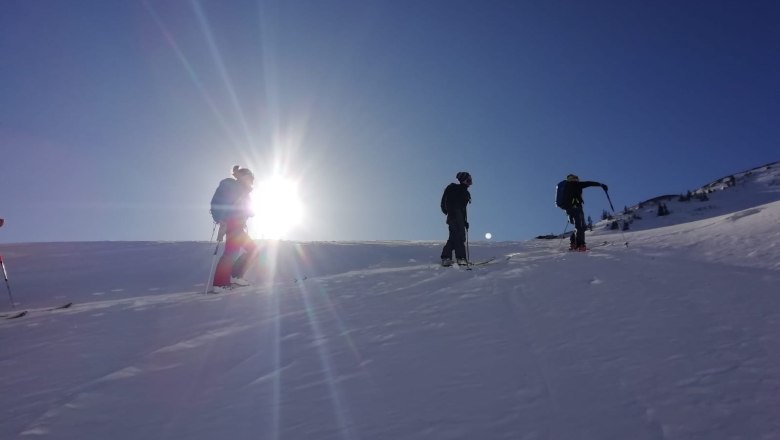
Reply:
x=211, y=271
x=610, y=201
x=220, y=236
x=468, y=260
x=615, y=214
x=212, y=231
x=563, y=234
x=7, y=284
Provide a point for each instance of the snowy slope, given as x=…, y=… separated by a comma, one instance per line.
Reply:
x=676, y=336
x=758, y=186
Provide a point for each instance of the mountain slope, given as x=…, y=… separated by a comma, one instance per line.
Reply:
x=737, y=192
x=674, y=337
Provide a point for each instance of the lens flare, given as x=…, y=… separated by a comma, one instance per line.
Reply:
x=277, y=208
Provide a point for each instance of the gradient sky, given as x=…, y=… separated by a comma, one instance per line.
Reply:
x=119, y=118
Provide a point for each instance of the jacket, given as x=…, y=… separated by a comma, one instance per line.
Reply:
x=574, y=188
x=230, y=202
x=454, y=201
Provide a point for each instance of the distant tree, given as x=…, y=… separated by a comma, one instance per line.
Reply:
x=614, y=225
x=660, y=210
x=703, y=197
x=681, y=198
x=625, y=226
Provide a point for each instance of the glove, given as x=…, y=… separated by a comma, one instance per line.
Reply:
x=605, y=187
x=467, y=225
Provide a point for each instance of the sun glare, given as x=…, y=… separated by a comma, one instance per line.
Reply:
x=277, y=208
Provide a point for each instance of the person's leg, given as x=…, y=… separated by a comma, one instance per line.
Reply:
x=225, y=265
x=446, y=252
x=579, y=225
x=573, y=236
x=458, y=234
x=244, y=261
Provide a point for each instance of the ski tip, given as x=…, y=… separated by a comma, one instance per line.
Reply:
x=18, y=315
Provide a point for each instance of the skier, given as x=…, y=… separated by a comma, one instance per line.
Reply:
x=453, y=204
x=575, y=212
x=230, y=208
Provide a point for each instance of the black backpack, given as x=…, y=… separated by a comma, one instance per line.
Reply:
x=224, y=199
x=563, y=195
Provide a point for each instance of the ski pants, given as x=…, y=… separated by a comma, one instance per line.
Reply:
x=457, y=239
x=577, y=218
x=233, y=263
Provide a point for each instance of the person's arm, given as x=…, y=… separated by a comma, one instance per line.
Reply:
x=444, y=201
x=589, y=183
x=465, y=207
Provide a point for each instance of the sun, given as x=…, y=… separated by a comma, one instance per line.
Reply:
x=277, y=207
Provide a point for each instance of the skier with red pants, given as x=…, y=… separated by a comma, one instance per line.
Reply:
x=230, y=208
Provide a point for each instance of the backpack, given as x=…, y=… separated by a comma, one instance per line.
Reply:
x=224, y=199
x=563, y=195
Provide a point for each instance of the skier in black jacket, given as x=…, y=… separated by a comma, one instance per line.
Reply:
x=576, y=214
x=453, y=204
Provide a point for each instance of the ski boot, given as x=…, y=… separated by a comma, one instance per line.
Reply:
x=219, y=289
x=238, y=281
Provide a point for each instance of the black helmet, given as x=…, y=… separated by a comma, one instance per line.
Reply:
x=464, y=177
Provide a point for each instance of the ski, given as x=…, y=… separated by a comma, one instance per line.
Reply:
x=17, y=315
x=64, y=306
x=589, y=247
x=21, y=313
x=234, y=288
x=482, y=263
x=471, y=264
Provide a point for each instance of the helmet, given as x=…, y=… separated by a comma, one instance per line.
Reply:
x=239, y=172
x=464, y=177
x=572, y=177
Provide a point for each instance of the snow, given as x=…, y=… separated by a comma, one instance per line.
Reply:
x=675, y=336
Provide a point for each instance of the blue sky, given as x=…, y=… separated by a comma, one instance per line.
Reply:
x=118, y=119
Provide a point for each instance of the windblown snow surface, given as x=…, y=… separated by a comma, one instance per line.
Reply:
x=675, y=336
